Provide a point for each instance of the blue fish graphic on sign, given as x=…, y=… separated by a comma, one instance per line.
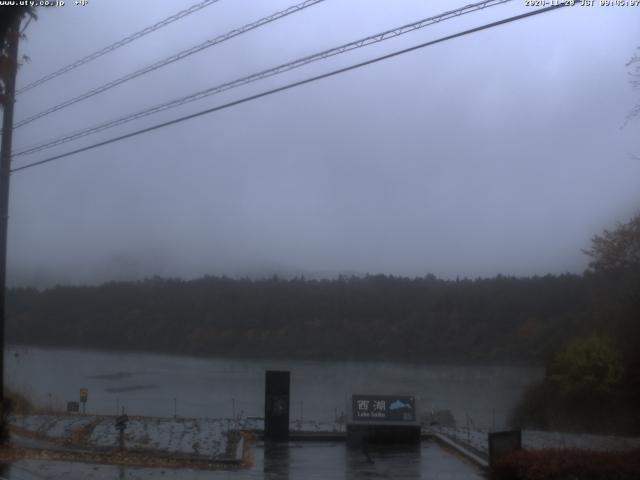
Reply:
x=399, y=405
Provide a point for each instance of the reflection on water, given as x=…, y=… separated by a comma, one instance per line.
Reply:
x=284, y=461
x=276, y=460
x=384, y=462
x=156, y=385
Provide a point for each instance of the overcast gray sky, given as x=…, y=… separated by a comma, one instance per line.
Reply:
x=499, y=152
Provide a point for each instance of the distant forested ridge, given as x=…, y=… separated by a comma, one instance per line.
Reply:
x=376, y=317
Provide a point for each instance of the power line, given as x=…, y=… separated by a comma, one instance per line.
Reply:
x=24, y=28
x=292, y=85
x=118, y=44
x=173, y=58
x=378, y=37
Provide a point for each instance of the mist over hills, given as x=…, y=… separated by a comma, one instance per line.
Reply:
x=134, y=268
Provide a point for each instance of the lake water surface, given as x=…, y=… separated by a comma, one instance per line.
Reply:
x=155, y=385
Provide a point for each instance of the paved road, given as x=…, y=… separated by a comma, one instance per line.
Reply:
x=292, y=461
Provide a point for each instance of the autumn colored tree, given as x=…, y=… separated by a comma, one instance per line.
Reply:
x=594, y=382
x=617, y=251
x=615, y=257
x=589, y=366
x=582, y=391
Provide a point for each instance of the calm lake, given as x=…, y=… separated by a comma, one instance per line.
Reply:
x=159, y=385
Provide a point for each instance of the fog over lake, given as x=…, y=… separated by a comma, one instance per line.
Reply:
x=147, y=384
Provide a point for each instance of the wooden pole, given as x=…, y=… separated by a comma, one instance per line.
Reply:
x=9, y=80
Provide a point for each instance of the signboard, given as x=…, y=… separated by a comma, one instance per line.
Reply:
x=73, y=407
x=386, y=408
x=84, y=394
x=502, y=443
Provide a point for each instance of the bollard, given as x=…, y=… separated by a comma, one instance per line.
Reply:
x=121, y=425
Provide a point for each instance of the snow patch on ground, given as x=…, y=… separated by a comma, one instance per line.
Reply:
x=188, y=436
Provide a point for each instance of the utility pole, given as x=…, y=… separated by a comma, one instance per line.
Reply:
x=13, y=35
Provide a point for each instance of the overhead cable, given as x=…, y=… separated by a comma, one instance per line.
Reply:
x=285, y=67
x=118, y=44
x=173, y=58
x=289, y=86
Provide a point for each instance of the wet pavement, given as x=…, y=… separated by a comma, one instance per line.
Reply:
x=288, y=461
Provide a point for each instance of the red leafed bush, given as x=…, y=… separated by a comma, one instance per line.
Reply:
x=569, y=464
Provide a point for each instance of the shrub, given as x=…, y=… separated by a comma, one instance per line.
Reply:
x=590, y=366
x=565, y=464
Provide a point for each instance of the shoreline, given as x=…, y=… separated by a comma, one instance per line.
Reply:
x=283, y=357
